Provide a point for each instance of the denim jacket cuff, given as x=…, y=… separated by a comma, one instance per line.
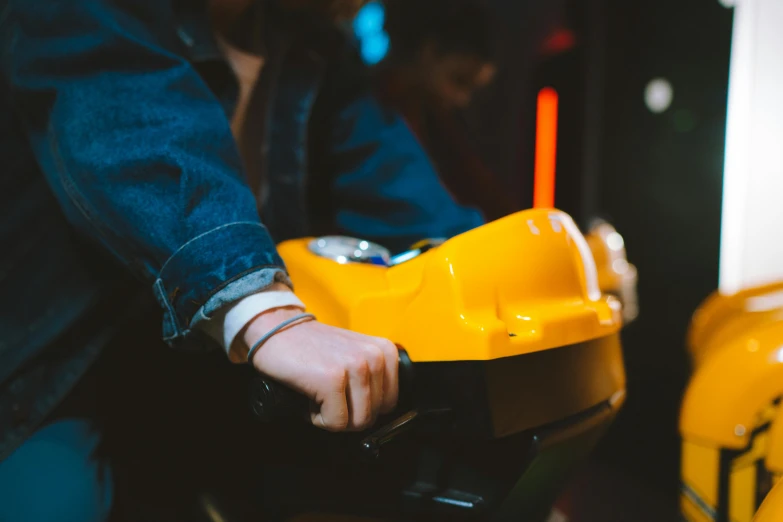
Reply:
x=212, y=270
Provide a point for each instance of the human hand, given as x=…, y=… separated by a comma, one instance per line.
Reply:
x=350, y=377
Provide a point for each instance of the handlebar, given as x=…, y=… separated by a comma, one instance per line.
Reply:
x=271, y=400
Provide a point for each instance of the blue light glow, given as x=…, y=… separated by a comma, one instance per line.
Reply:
x=368, y=27
x=375, y=48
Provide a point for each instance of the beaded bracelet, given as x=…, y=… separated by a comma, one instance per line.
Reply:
x=276, y=329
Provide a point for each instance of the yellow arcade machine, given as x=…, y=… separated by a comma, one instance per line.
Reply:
x=512, y=371
x=730, y=422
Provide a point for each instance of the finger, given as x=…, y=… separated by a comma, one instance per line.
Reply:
x=333, y=413
x=360, y=405
x=376, y=360
x=391, y=369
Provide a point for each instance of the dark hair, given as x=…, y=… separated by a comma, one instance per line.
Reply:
x=454, y=26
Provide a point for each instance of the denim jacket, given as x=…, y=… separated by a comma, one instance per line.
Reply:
x=118, y=159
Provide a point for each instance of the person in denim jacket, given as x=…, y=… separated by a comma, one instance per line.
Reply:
x=121, y=167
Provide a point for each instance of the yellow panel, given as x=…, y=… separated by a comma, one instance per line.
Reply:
x=742, y=494
x=518, y=285
x=700, y=471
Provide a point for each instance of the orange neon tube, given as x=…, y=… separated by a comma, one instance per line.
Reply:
x=546, y=149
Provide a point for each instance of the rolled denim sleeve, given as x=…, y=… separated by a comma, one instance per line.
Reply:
x=137, y=150
x=385, y=186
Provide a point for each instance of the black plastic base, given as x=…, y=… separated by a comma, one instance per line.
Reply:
x=424, y=478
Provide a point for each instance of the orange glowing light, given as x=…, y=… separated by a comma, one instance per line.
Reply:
x=546, y=149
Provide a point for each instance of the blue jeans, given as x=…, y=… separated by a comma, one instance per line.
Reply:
x=55, y=476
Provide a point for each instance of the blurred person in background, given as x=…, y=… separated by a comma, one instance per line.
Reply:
x=441, y=55
x=134, y=160
x=330, y=159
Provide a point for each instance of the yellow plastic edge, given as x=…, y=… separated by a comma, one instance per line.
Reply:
x=521, y=284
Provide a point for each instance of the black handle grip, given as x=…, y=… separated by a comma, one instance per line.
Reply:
x=271, y=400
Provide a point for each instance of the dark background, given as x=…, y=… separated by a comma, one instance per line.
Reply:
x=656, y=177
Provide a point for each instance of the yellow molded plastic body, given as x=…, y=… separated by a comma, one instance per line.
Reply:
x=521, y=295
x=723, y=317
x=732, y=385
x=522, y=284
x=743, y=472
x=731, y=420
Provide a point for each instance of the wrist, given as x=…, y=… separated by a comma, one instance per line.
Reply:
x=258, y=327
x=266, y=321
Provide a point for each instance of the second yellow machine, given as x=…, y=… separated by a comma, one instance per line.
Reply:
x=731, y=420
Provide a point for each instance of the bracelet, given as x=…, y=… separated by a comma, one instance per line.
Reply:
x=276, y=329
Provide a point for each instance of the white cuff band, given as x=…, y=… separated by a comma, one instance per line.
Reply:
x=250, y=307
